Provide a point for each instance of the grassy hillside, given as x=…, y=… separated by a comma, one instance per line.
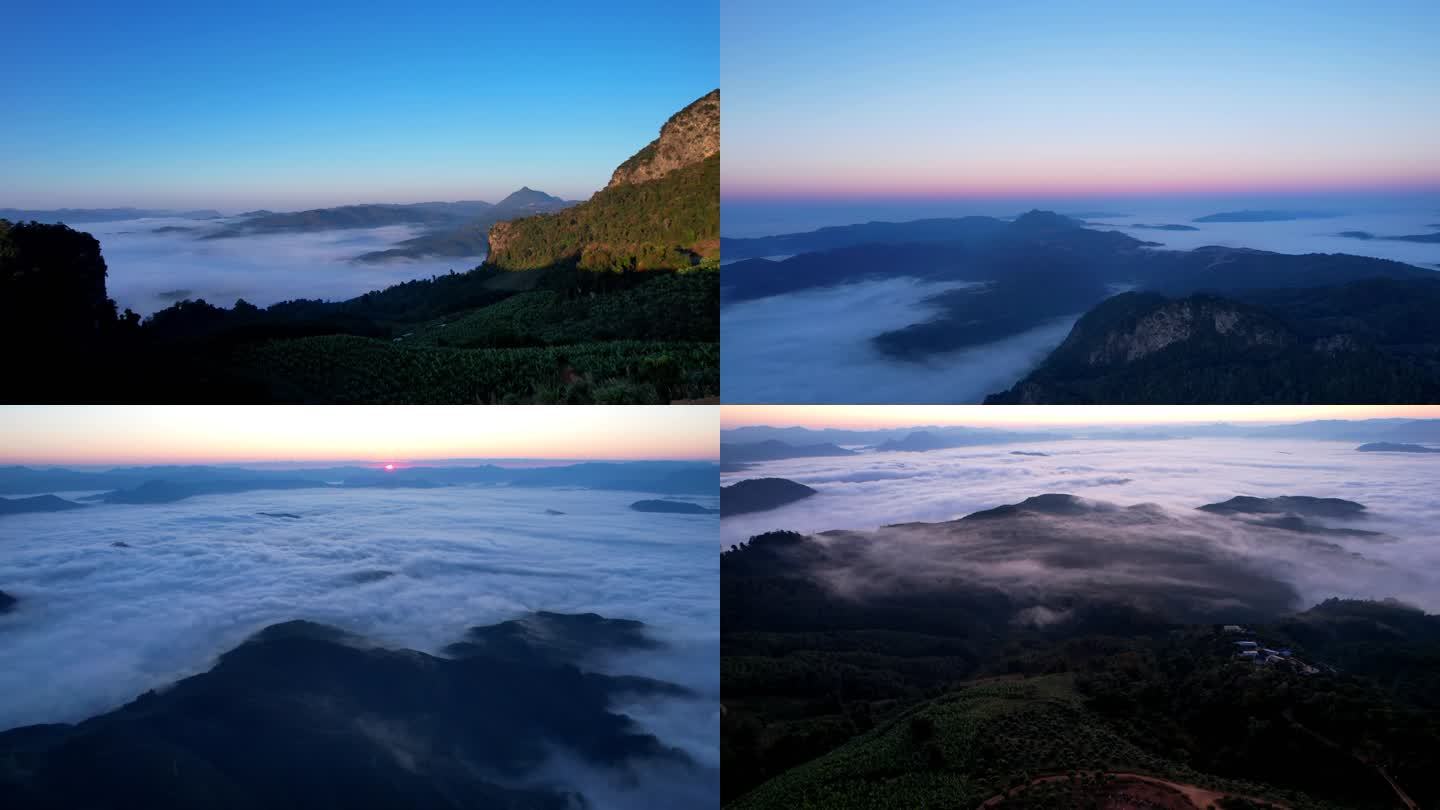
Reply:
x=670, y=223
x=967, y=746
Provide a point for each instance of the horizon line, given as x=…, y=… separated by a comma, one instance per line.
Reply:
x=897, y=194
x=1003, y=418
x=410, y=462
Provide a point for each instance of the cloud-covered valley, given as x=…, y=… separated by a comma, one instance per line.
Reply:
x=149, y=271
x=815, y=346
x=874, y=490
x=118, y=599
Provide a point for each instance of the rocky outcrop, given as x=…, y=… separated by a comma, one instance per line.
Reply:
x=1180, y=321
x=502, y=234
x=661, y=210
x=1349, y=344
x=690, y=136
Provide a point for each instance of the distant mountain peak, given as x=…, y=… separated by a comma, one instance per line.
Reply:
x=1035, y=219
x=527, y=196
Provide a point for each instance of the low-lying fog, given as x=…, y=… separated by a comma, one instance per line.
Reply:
x=1290, y=236
x=150, y=271
x=815, y=347
x=97, y=624
x=875, y=489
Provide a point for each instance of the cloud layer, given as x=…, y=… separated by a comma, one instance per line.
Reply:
x=1294, y=236
x=814, y=347
x=98, y=624
x=150, y=271
x=875, y=489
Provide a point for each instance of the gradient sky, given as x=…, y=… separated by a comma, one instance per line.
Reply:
x=1102, y=97
x=1010, y=416
x=165, y=434
x=291, y=105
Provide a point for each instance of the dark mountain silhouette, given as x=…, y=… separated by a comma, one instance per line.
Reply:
x=1035, y=245
x=1288, y=504
x=869, y=233
x=38, y=503
x=774, y=449
x=79, y=215
x=1165, y=227
x=370, y=215
x=171, y=491
x=555, y=638
x=469, y=237
x=760, y=495
x=1029, y=272
x=1370, y=341
x=307, y=715
x=7, y=602
x=1047, y=504
x=53, y=301
x=918, y=442
x=665, y=477
x=1423, y=237
x=1393, y=447
x=672, y=507
x=1263, y=216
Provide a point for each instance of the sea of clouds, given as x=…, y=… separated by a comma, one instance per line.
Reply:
x=97, y=624
x=875, y=489
x=815, y=347
x=150, y=271
x=1291, y=236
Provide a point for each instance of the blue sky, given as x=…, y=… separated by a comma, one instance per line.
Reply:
x=317, y=103
x=1026, y=98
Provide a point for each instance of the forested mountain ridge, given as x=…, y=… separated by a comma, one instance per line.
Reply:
x=856, y=677
x=553, y=332
x=1366, y=341
x=661, y=210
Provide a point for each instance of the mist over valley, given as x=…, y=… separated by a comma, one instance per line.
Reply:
x=123, y=595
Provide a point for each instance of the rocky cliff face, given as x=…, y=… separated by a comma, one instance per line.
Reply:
x=661, y=210
x=501, y=235
x=690, y=136
x=1177, y=322
x=1146, y=348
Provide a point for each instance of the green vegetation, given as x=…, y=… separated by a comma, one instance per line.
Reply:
x=554, y=335
x=940, y=699
x=670, y=307
x=975, y=743
x=666, y=224
x=344, y=368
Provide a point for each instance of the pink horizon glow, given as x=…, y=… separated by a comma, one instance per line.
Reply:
x=942, y=189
